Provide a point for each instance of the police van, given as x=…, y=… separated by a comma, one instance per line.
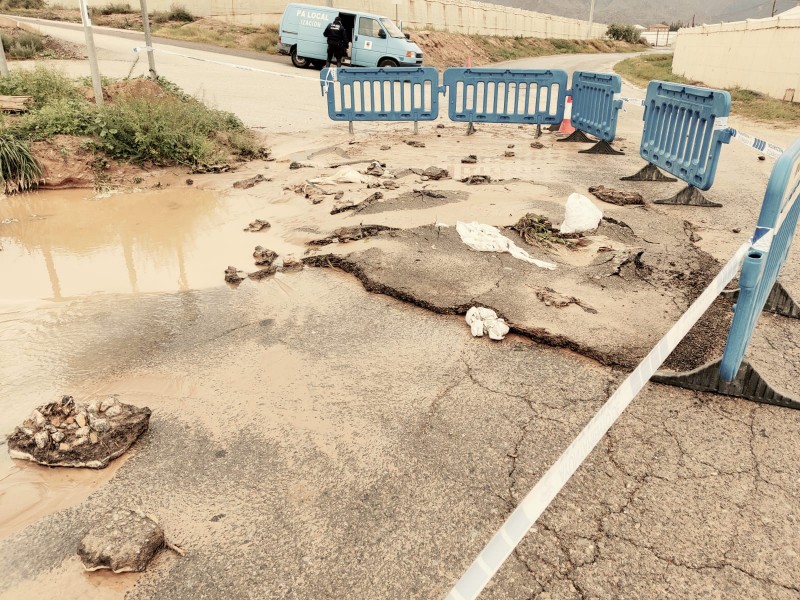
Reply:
x=375, y=41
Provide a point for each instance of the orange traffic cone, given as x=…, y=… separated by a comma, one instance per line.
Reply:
x=566, y=127
x=469, y=61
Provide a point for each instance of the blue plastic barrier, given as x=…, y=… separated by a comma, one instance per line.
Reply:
x=684, y=129
x=529, y=96
x=594, y=109
x=395, y=94
x=762, y=265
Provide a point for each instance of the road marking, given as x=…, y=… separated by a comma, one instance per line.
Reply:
x=517, y=525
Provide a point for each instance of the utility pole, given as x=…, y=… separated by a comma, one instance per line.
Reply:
x=87, y=30
x=774, y=2
x=3, y=63
x=148, y=40
x=591, y=20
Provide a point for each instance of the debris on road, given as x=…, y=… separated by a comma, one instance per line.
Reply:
x=580, y=215
x=429, y=194
x=537, y=230
x=246, y=184
x=477, y=180
x=264, y=256
x=550, y=297
x=300, y=165
x=485, y=238
x=509, y=154
x=384, y=148
x=350, y=234
x=415, y=144
x=345, y=175
x=257, y=225
x=391, y=184
x=484, y=321
x=375, y=169
x=66, y=434
x=360, y=206
x=618, y=197
x=233, y=276
x=435, y=173
x=121, y=540
x=537, y=145
x=470, y=160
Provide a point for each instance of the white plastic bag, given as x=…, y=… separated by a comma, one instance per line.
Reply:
x=485, y=238
x=580, y=215
x=485, y=321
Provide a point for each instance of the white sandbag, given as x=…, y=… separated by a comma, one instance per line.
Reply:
x=580, y=215
x=485, y=238
x=485, y=321
x=345, y=175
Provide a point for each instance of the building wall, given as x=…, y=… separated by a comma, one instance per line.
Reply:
x=660, y=38
x=458, y=16
x=759, y=54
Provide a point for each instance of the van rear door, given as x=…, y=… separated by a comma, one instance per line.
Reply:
x=368, y=45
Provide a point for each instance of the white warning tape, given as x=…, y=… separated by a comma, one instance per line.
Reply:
x=627, y=100
x=224, y=64
x=539, y=498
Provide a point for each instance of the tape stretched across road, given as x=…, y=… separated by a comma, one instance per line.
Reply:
x=224, y=64
x=539, y=498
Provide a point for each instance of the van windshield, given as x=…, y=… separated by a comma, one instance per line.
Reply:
x=391, y=28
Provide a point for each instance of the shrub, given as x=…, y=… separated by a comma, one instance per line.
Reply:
x=28, y=4
x=63, y=115
x=41, y=83
x=176, y=12
x=623, y=33
x=115, y=9
x=19, y=169
x=22, y=44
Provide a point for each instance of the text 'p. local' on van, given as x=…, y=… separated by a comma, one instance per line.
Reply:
x=374, y=41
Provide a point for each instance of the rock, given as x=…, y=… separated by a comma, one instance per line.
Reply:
x=101, y=425
x=38, y=419
x=264, y=256
x=440, y=126
x=190, y=182
x=537, y=145
x=391, y=184
x=737, y=230
x=375, y=169
x=257, y=225
x=339, y=195
x=508, y=154
x=386, y=148
x=112, y=411
x=510, y=146
x=232, y=276
x=263, y=273
x=470, y=160
x=80, y=419
x=299, y=165
x=42, y=439
x=93, y=406
x=292, y=264
x=477, y=180
x=246, y=184
x=108, y=403
x=115, y=432
x=435, y=173
x=121, y=540
x=415, y=143
x=618, y=197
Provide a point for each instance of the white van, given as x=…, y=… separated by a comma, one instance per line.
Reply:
x=375, y=40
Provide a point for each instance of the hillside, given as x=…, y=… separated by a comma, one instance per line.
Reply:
x=646, y=12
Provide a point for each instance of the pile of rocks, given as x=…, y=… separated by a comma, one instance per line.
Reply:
x=68, y=434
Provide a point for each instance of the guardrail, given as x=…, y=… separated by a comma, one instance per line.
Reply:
x=684, y=129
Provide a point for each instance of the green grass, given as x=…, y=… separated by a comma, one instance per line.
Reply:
x=115, y=9
x=19, y=169
x=163, y=129
x=501, y=49
x=21, y=44
x=641, y=70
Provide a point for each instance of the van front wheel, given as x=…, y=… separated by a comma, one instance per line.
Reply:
x=298, y=61
x=387, y=63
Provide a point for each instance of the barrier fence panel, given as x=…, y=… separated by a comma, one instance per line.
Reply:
x=594, y=106
x=762, y=265
x=395, y=94
x=684, y=129
x=532, y=96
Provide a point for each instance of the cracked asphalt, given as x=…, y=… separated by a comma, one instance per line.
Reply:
x=311, y=439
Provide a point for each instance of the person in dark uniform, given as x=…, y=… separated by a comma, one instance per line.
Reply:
x=337, y=41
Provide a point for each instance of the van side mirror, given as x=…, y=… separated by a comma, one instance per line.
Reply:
x=382, y=34
x=408, y=36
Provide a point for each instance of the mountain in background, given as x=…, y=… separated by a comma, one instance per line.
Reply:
x=648, y=12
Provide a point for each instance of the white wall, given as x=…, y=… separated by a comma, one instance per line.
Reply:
x=458, y=16
x=660, y=38
x=758, y=54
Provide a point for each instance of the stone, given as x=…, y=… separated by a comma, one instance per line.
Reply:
x=121, y=540
x=375, y=169
x=70, y=420
x=81, y=420
x=477, y=180
x=537, y=145
x=232, y=276
x=435, y=173
x=79, y=442
x=58, y=436
x=83, y=431
x=42, y=439
x=101, y=425
x=112, y=411
x=391, y=184
x=415, y=144
x=62, y=447
x=618, y=197
x=470, y=160
x=38, y=419
x=72, y=426
x=386, y=148
x=508, y=154
x=246, y=184
x=93, y=438
x=108, y=403
x=258, y=225
x=510, y=145
x=93, y=406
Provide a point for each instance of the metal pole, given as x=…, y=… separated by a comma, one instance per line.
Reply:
x=87, y=29
x=148, y=40
x=3, y=63
x=591, y=20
